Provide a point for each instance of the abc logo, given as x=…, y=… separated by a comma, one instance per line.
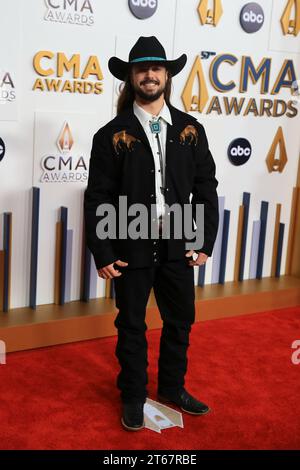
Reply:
x=252, y=17
x=144, y=3
x=239, y=151
x=2, y=149
x=142, y=8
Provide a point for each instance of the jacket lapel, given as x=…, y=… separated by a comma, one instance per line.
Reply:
x=179, y=121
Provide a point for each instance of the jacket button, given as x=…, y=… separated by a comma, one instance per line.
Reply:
x=152, y=171
x=167, y=189
x=152, y=195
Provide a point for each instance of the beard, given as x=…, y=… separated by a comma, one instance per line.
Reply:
x=149, y=95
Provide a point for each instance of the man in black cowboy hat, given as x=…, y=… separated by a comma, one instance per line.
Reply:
x=154, y=155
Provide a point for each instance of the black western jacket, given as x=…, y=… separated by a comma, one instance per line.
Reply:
x=122, y=164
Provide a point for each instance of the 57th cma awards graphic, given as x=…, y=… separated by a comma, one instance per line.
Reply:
x=149, y=230
x=258, y=74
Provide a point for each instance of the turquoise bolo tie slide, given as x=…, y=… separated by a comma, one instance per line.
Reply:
x=155, y=127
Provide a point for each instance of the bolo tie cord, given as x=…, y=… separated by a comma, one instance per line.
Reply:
x=162, y=188
x=155, y=129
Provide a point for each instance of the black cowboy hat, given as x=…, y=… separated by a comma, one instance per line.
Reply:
x=146, y=49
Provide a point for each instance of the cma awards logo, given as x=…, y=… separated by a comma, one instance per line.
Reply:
x=78, y=12
x=7, y=88
x=210, y=16
x=48, y=64
x=290, y=20
x=64, y=168
x=195, y=95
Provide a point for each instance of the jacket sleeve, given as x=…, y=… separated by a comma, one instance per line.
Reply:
x=204, y=190
x=101, y=188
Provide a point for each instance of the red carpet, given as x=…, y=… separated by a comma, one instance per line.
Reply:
x=64, y=397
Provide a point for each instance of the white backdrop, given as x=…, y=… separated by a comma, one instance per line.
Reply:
x=32, y=123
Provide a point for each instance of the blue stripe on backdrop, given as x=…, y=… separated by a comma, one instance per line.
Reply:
x=86, y=274
x=224, y=246
x=64, y=221
x=6, y=241
x=279, y=249
x=246, y=204
x=35, y=214
x=218, y=244
x=201, y=275
x=254, y=249
x=262, y=238
x=112, y=289
x=69, y=265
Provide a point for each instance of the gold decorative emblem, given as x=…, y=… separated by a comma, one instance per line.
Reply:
x=289, y=24
x=277, y=163
x=122, y=137
x=210, y=16
x=190, y=133
x=65, y=141
x=195, y=99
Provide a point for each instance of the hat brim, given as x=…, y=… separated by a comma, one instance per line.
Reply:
x=119, y=68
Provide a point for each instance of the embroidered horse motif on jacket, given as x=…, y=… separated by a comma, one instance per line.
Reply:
x=122, y=137
x=189, y=133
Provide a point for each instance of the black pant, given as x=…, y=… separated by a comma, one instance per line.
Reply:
x=173, y=284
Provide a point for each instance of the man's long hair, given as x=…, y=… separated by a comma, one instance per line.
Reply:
x=127, y=95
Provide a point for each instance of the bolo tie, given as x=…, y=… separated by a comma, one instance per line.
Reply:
x=155, y=128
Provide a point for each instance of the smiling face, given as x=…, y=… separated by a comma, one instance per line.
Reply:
x=149, y=80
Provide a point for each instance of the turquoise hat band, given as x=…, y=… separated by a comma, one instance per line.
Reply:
x=144, y=59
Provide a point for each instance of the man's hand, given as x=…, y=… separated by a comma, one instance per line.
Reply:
x=201, y=258
x=108, y=272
